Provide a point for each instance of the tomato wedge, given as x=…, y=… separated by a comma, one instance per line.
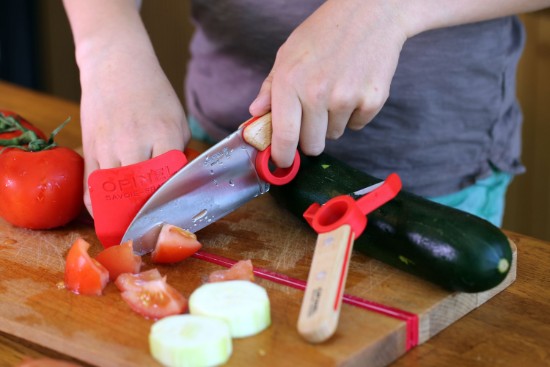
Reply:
x=174, y=244
x=120, y=259
x=134, y=282
x=241, y=270
x=84, y=275
x=150, y=296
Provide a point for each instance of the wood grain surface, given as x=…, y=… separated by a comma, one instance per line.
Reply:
x=103, y=331
x=42, y=319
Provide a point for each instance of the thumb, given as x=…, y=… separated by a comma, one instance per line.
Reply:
x=87, y=199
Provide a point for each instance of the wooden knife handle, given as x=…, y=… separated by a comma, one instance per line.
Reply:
x=257, y=131
x=326, y=281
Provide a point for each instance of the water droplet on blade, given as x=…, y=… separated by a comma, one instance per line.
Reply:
x=200, y=215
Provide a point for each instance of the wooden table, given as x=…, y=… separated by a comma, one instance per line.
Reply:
x=511, y=329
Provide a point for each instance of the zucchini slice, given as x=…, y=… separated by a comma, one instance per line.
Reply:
x=242, y=304
x=190, y=341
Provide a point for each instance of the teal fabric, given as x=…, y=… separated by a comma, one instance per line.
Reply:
x=486, y=198
x=197, y=132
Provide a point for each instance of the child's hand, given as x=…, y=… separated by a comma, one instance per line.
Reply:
x=129, y=110
x=333, y=72
x=129, y=113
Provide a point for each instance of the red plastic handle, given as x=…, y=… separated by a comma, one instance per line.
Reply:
x=343, y=209
x=280, y=176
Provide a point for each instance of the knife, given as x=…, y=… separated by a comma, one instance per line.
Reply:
x=218, y=181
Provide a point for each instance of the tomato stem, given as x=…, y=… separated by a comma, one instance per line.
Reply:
x=25, y=138
x=28, y=140
x=10, y=124
x=7, y=123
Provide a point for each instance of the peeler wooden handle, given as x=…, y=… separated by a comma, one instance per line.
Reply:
x=322, y=300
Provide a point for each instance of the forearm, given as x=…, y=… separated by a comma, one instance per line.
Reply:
x=335, y=69
x=107, y=26
x=423, y=15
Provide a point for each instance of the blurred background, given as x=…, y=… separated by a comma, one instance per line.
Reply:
x=36, y=51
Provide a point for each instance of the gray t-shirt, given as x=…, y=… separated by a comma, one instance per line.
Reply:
x=452, y=115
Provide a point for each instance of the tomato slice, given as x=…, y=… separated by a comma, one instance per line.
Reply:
x=174, y=244
x=154, y=299
x=134, y=282
x=241, y=270
x=120, y=259
x=84, y=275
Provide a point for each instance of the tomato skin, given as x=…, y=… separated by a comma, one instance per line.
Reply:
x=41, y=190
x=84, y=275
x=149, y=295
x=134, y=282
x=23, y=122
x=174, y=244
x=119, y=260
x=191, y=153
x=241, y=270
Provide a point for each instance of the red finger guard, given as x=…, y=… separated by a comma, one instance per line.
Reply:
x=280, y=176
x=343, y=209
x=117, y=194
x=263, y=163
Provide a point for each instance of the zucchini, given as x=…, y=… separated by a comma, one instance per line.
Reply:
x=446, y=246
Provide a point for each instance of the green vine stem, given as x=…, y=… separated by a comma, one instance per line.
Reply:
x=28, y=140
x=7, y=123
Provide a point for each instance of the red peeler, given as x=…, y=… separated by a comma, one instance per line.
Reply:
x=338, y=222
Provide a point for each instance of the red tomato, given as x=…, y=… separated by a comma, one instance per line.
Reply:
x=174, y=244
x=191, y=153
x=41, y=190
x=23, y=122
x=84, y=275
x=241, y=270
x=151, y=296
x=133, y=282
x=119, y=259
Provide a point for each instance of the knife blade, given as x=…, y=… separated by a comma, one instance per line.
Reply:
x=214, y=184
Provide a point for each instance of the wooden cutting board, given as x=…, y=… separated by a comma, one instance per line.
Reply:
x=104, y=331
